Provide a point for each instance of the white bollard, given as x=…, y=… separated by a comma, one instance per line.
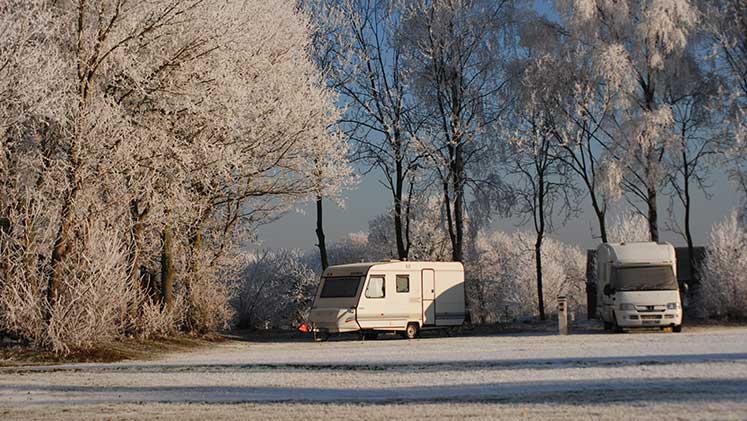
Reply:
x=562, y=315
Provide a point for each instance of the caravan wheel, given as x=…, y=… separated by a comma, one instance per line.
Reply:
x=412, y=330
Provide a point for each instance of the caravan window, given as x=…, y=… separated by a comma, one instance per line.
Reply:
x=375, y=287
x=403, y=283
x=340, y=287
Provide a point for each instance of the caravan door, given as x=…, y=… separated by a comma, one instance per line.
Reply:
x=428, y=288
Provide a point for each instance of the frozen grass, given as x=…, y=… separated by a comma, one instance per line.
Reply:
x=697, y=374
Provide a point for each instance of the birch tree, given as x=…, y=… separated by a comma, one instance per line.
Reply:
x=725, y=22
x=364, y=63
x=636, y=42
x=694, y=98
x=455, y=59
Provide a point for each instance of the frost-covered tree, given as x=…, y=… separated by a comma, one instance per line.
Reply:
x=275, y=289
x=455, y=53
x=724, y=288
x=559, y=75
x=428, y=233
x=725, y=22
x=502, y=278
x=636, y=44
x=169, y=129
x=628, y=228
x=693, y=94
x=363, y=62
x=541, y=186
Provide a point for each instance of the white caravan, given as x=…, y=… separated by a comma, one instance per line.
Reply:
x=637, y=286
x=394, y=296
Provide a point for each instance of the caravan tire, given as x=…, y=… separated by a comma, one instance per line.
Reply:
x=677, y=329
x=411, y=331
x=370, y=336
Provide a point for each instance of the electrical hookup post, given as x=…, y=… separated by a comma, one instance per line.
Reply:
x=562, y=315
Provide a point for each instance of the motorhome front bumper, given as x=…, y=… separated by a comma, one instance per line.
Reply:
x=635, y=318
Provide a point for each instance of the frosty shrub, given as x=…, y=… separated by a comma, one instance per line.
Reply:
x=275, y=290
x=501, y=279
x=23, y=283
x=209, y=307
x=158, y=321
x=724, y=285
x=22, y=309
x=93, y=309
x=354, y=248
x=628, y=228
x=428, y=235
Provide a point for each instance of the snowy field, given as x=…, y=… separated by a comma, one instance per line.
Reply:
x=700, y=373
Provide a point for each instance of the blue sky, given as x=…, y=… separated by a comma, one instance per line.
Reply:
x=369, y=198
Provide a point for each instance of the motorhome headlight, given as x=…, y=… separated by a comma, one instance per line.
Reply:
x=672, y=306
x=625, y=306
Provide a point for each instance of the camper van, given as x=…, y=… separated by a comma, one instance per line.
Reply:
x=394, y=296
x=637, y=286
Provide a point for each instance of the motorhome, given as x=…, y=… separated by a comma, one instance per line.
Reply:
x=637, y=286
x=394, y=296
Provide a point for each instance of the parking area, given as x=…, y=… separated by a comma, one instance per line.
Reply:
x=700, y=373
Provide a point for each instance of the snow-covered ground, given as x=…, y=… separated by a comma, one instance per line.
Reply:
x=696, y=374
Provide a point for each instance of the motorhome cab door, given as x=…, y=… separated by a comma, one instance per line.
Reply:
x=429, y=296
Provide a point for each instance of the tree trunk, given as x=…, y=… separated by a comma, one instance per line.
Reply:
x=458, y=183
x=601, y=215
x=694, y=284
x=62, y=240
x=538, y=265
x=402, y=249
x=136, y=217
x=653, y=225
x=540, y=229
x=449, y=218
x=167, y=268
x=320, y=234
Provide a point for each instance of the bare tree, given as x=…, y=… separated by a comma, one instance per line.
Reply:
x=364, y=64
x=455, y=58
x=560, y=76
x=693, y=95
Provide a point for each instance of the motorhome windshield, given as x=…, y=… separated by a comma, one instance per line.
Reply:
x=340, y=287
x=644, y=278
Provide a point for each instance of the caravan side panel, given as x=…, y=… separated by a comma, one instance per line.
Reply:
x=397, y=306
x=449, y=297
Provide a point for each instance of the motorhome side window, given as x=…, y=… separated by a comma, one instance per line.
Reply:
x=403, y=283
x=375, y=287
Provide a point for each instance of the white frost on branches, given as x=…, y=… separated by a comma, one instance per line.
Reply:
x=169, y=127
x=628, y=228
x=724, y=285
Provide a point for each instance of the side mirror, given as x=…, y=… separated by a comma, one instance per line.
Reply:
x=608, y=290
